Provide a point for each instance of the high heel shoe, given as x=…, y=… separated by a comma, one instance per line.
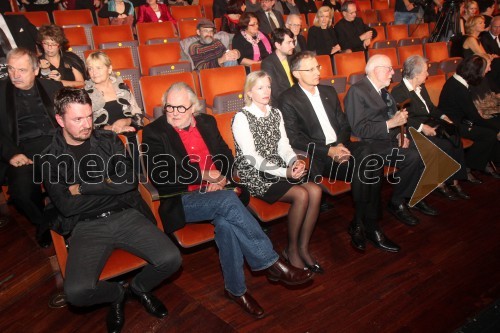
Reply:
x=285, y=256
x=315, y=268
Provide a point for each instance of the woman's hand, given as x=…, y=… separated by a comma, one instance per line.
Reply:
x=55, y=75
x=297, y=170
x=122, y=126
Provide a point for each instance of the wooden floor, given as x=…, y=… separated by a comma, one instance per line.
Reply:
x=448, y=271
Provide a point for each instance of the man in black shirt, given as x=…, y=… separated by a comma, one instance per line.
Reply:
x=352, y=34
x=93, y=187
x=26, y=129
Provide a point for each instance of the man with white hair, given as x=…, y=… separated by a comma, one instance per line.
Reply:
x=294, y=23
x=373, y=116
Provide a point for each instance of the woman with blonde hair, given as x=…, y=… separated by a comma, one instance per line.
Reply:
x=472, y=45
x=471, y=9
x=269, y=168
x=321, y=37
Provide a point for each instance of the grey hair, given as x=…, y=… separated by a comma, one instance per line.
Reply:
x=413, y=66
x=21, y=51
x=373, y=62
x=291, y=16
x=180, y=86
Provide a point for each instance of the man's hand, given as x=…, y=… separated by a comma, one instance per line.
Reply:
x=429, y=131
x=445, y=118
x=229, y=55
x=339, y=153
x=366, y=35
x=406, y=141
x=74, y=189
x=20, y=160
x=335, y=49
x=121, y=126
x=400, y=118
x=367, y=43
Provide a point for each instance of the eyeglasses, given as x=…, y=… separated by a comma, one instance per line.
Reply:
x=171, y=108
x=295, y=25
x=50, y=44
x=310, y=70
x=389, y=68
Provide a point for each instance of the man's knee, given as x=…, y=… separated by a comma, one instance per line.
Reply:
x=170, y=260
x=78, y=294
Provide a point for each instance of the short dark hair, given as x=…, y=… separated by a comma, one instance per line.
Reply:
x=297, y=58
x=67, y=96
x=278, y=35
x=234, y=6
x=345, y=5
x=472, y=69
x=245, y=20
x=54, y=32
x=485, y=4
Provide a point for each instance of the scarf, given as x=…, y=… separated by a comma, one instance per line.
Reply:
x=255, y=44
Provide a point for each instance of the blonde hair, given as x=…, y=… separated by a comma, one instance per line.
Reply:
x=251, y=81
x=321, y=10
x=98, y=56
x=471, y=22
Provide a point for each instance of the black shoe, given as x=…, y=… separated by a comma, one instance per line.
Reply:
x=116, y=316
x=44, y=240
x=472, y=179
x=358, y=240
x=403, y=214
x=459, y=192
x=315, y=268
x=491, y=172
x=447, y=193
x=325, y=206
x=151, y=303
x=380, y=241
x=425, y=209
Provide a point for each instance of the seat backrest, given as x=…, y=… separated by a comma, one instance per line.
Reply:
x=256, y=66
x=72, y=17
x=406, y=51
x=76, y=36
x=434, y=85
x=449, y=65
x=326, y=66
x=420, y=30
x=112, y=33
x=409, y=41
x=380, y=4
x=182, y=12
x=369, y=16
x=386, y=15
x=337, y=16
x=155, y=30
x=153, y=88
x=215, y=81
x=347, y=63
x=187, y=28
x=131, y=44
x=158, y=54
x=436, y=51
x=384, y=44
x=37, y=18
x=390, y=52
x=79, y=50
x=381, y=36
x=224, y=122
x=121, y=58
x=363, y=4
x=397, y=32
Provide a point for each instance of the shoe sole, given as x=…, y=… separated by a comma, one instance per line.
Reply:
x=399, y=219
x=381, y=248
x=288, y=283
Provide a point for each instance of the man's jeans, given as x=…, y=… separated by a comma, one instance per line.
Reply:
x=405, y=18
x=237, y=234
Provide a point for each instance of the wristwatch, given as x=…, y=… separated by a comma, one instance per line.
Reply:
x=80, y=189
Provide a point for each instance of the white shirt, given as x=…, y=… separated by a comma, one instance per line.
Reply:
x=8, y=33
x=461, y=80
x=417, y=91
x=244, y=138
x=319, y=109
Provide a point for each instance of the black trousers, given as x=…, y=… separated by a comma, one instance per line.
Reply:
x=484, y=149
x=457, y=153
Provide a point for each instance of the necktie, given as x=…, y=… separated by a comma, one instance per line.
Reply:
x=391, y=111
x=4, y=44
x=274, y=24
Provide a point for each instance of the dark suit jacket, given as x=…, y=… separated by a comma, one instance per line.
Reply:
x=301, y=41
x=348, y=34
x=279, y=83
x=367, y=113
x=417, y=113
x=264, y=24
x=8, y=113
x=169, y=168
x=24, y=33
x=489, y=44
x=303, y=127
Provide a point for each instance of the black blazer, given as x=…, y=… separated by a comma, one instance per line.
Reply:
x=367, y=113
x=489, y=44
x=417, y=113
x=348, y=34
x=279, y=80
x=24, y=33
x=170, y=170
x=301, y=41
x=303, y=127
x=8, y=113
x=321, y=40
x=264, y=24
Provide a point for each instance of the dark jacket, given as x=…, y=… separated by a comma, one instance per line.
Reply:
x=264, y=24
x=489, y=44
x=24, y=33
x=348, y=34
x=118, y=180
x=279, y=80
x=321, y=40
x=170, y=170
x=417, y=113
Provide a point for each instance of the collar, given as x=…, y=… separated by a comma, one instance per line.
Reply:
x=461, y=80
x=308, y=94
x=410, y=86
x=29, y=92
x=253, y=109
x=189, y=128
x=492, y=36
x=374, y=86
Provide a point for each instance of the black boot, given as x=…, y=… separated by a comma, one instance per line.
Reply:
x=358, y=240
x=116, y=315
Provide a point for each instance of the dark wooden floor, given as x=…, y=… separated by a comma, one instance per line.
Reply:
x=448, y=270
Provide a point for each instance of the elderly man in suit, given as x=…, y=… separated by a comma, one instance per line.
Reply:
x=27, y=126
x=373, y=117
x=313, y=116
x=277, y=65
x=491, y=39
x=294, y=23
x=269, y=18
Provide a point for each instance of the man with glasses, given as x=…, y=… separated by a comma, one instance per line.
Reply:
x=491, y=39
x=277, y=65
x=209, y=52
x=294, y=23
x=352, y=33
x=191, y=166
x=269, y=18
x=374, y=118
x=315, y=123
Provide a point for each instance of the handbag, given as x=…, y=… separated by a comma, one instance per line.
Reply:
x=129, y=20
x=445, y=130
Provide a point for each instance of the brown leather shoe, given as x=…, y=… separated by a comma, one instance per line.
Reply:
x=286, y=273
x=247, y=303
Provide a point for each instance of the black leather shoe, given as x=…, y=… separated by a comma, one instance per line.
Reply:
x=447, y=193
x=151, y=303
x=44, y=240
x=403, y=214
x=380, y=241
x=286, y=273
x=116, y=316
x=491, y=172
x=472, y=179
x=247, y=303
x=357, y=237
x=459, y=192
x=425, y=208
x=315, y=268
